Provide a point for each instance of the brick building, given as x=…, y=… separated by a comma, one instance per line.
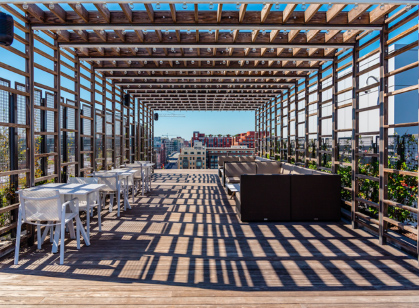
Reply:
x=212, y=141
x=247, y=139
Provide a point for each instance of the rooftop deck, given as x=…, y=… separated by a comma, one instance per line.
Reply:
x=183, y=245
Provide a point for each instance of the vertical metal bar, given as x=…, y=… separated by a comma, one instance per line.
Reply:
x=65, y=144
x=383, y=144
x=276, y=145
x=14, y=155
x=296, y=150
x=57, y=104
x=355, y=129
x=43, y=146
x=79, y=158
x=103, y=136
x=306, y=119
x=288, y=127
x=256, y=131
x=319, y=115
x=417, y=237
x=93, y=122
x=30, y=110
x=335, y=151
x=113, y=125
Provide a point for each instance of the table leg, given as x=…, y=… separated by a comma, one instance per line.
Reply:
x=99, y=214
x=88, y=215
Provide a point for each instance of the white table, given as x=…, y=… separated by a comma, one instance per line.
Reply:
x=145, y=174
x=123, y=174
x=69, y=190
x=233, y=188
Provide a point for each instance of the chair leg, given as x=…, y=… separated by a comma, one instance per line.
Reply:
x=18, y=231
x=51, y=235
x=111, y=196
x=39, y=236
x=83, y=232
x=45, y=233
x=70, y=227
x=99, y=216
x=118, y=200
x=56, y=239
x=78, y=235
x=62, y=242
x=133, y=193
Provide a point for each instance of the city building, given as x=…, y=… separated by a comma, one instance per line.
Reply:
x=160, y=156
x=193, y=157
x=211, y=141
x=214, y=153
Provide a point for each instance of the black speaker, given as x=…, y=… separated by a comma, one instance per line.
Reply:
x=126, y=100
x=6, y=29
x=156, y=116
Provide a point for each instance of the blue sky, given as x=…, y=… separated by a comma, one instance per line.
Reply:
x=210, y=122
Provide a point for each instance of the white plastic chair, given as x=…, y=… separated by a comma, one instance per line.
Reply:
x=112, y=188
x=46, y=206
x=95, y=198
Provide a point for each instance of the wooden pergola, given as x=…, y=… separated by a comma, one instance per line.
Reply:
x=284, y=60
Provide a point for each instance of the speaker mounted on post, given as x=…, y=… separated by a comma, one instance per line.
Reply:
x=6, y=29
x=126, y=100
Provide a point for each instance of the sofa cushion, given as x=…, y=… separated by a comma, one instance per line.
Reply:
x=247, y=158
x=268, y=167
x=223, y=159
x=238, y=168
x=286, y=168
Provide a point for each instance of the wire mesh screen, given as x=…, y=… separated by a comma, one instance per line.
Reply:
x=4, y=102
x=21, y=105
x=87, y=124
x=50, y=115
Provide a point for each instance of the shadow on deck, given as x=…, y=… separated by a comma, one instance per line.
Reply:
x=185, y=234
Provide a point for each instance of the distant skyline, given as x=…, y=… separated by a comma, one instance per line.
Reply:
x=207, y=122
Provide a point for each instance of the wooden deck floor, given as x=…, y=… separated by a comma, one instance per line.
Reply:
x=183, y=246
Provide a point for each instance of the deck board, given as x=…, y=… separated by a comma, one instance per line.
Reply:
x=182, y=245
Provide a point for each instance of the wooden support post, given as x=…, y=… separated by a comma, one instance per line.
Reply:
x=383, y=143
x=355, y=129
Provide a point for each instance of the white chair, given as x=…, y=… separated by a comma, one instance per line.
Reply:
x=95, y=198
x=113, y=188
x=46, y=206
x=137, y=178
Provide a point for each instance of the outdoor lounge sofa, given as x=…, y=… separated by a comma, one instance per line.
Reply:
x=292, y=194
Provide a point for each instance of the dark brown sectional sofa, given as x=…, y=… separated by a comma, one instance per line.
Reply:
x=274, y=191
